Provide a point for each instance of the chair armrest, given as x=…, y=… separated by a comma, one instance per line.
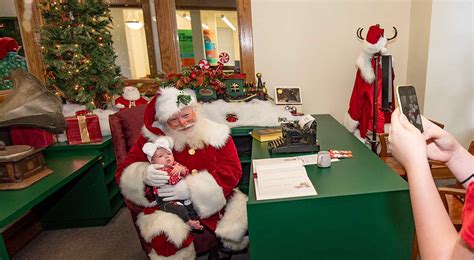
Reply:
x=457, y=193
x=118, y=138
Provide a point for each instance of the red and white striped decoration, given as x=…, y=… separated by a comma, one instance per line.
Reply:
x=224, y=57
x=204, y=64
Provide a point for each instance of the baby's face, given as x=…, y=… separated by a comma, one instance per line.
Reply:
x=163, y=157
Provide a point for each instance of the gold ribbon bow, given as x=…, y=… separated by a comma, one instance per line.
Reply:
x=83, y=129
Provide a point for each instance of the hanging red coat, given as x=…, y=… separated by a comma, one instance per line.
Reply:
x=361, y=103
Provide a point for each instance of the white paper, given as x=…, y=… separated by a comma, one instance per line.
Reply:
x=309, y=159
x=307, y=119
x=281, y=178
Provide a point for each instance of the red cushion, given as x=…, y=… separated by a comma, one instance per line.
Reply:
x=125, y=126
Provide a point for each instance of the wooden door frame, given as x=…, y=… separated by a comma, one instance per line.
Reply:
x=168, y=37
x=145, y=6
x=30, y=40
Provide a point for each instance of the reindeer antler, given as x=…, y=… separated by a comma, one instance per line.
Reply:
x=359, y=33
x=394, y=35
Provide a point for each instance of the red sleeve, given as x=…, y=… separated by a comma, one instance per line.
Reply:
x=134, y=155
x=228, y=171
x=467, y=231
x=355, y=104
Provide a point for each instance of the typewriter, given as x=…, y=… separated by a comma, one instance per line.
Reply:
x=296, y=139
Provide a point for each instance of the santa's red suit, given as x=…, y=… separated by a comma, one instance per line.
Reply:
x=212, y=158
x=359, y=119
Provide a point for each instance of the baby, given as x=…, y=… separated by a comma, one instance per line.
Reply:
x=159, y=152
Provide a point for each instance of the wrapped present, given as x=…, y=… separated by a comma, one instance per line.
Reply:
x=83, y=128
x=35, y=137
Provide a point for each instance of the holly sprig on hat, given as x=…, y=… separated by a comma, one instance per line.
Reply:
x=183, y=99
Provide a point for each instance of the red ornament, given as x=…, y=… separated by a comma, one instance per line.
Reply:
x=90, y=88
x=231, y=118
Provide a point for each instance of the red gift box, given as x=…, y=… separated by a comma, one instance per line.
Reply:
x=83, y=128
x=35, y=137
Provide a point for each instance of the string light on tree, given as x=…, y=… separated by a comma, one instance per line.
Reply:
x=72, y=57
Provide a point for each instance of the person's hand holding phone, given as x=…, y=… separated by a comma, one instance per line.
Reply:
x=408, y=105
x=408, y=145
x=440, y=144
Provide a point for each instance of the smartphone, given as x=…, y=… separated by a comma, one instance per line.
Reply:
x=408, y=104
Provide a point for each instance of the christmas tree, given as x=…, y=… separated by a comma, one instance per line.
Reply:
x=78, y=53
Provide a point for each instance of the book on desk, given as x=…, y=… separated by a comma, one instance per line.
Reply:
x=267, y=134
x=281, y=178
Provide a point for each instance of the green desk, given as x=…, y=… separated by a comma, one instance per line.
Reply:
x=14, y=204
x=80, y=192
x=362, y=210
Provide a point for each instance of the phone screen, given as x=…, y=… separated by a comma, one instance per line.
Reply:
x=409, y=105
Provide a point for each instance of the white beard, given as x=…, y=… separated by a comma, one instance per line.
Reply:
x=192, y=136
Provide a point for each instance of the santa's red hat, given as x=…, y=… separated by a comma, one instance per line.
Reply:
x=167, y=102
x=375, y=41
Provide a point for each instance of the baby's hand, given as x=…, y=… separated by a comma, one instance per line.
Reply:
x=178, y=169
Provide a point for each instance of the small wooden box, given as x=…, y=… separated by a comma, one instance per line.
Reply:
x=20, y=167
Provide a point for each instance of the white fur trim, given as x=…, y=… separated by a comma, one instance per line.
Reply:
x=365, y=66
x=364, y=60
x=374, y=48
x=132, y=186
x=236, y=246
x=357, y=134
x=267, y=115
x=349, y=123
x=166, y=104
x=160, y=222
x=207, y=196
x=187, y=253
x=205, y=130
x=214, y=134
x=234, y=224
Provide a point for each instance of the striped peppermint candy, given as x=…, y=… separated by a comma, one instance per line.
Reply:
x=224, y=57
x=204, y=64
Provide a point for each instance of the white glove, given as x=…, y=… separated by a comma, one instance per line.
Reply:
x=155, y=177
x=179, y=191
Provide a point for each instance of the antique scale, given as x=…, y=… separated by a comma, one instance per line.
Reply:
x=30, y=105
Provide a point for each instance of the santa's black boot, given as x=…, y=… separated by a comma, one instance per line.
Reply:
x=220, y=253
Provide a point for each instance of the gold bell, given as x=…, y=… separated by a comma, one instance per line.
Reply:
x=191, y=151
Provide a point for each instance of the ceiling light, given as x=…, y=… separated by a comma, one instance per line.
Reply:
x=185, y=16
x=205, y=26
x=134, y=25
x=227, y=22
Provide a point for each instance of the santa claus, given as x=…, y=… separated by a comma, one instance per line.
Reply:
x=207, y=150
x=130, y=98
x=359, y=119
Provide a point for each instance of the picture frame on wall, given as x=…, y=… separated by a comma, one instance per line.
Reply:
x=288, y=95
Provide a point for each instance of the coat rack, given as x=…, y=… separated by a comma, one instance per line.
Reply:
x=377, y=58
